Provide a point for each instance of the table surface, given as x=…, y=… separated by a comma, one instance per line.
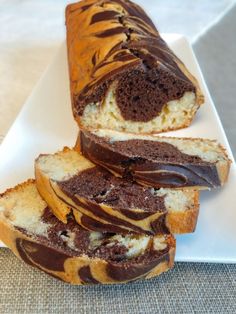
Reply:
x=30, y=33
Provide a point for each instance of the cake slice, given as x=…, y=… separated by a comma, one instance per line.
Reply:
x=72, y=254
x=123, y=75
x=158, y=161
x=102, y=202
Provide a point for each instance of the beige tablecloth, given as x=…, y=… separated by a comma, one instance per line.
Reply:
x=189, y=288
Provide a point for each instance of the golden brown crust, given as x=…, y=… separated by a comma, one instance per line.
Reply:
x=223, y=171
x=183, y=222
x=60, y=210
x=18, y=187
x=223, y=168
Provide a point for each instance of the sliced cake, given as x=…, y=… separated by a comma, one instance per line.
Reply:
x=72, y=254
x=123, y=75
x=158, y=161
x=102, y=202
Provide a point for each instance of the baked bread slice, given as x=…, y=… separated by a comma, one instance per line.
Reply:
x=123, y=75
x=102, y=202
x=72, y=254
x=158, y=161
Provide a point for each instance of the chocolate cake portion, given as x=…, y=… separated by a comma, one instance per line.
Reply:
x=157, y=162
x=59, y=236
x=118, y=268
x=72, y=254
x=101, y=187
x=142, y=92
x=103, y=202
x=113, y=47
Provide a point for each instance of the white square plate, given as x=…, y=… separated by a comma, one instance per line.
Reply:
x=45, y=125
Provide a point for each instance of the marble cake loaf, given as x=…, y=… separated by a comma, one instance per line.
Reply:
x=123, y=75
x=102, y=202
x=72, y=254
x=158, y=161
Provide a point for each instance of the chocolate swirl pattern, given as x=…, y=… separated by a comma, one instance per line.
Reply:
x=72, y=254
x=116, y=204
x=158, y=162
x=105, y=203
x=114, y=45
x=113, y=271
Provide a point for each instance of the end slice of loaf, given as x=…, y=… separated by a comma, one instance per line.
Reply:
x=158, y=161
x=105, y=203
x=72, y=254
x=123, y=75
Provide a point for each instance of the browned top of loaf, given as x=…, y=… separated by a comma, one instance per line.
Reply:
x=116, y=40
